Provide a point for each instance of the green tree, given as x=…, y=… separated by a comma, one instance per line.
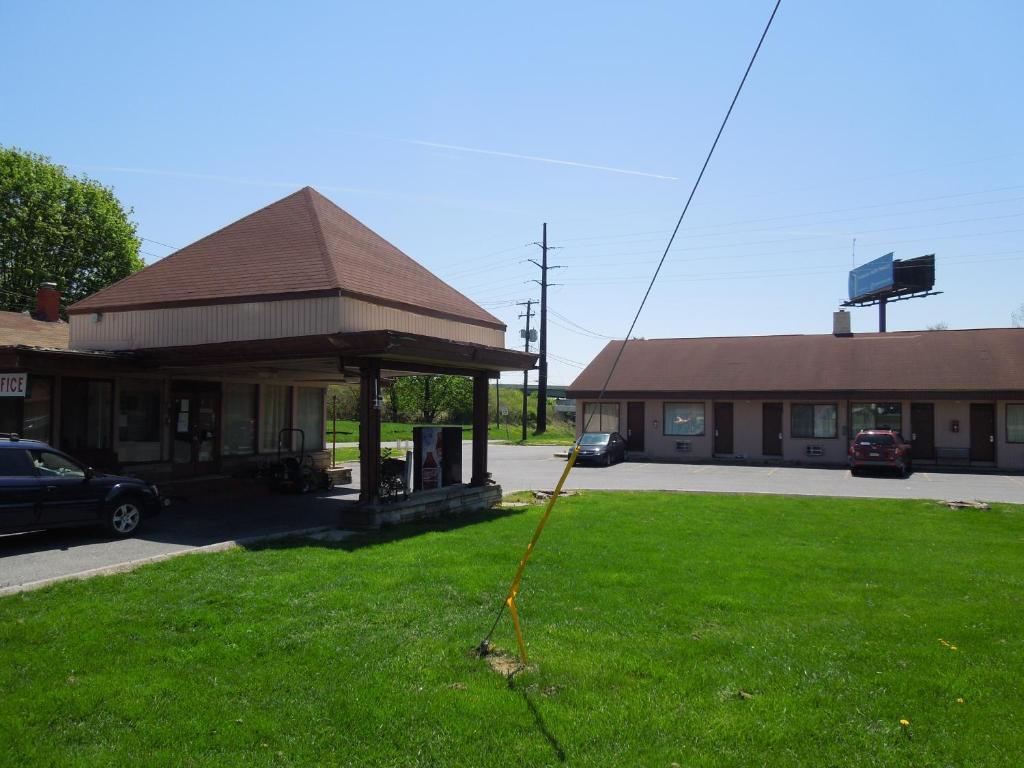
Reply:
x=431, y=398
x=57, y=227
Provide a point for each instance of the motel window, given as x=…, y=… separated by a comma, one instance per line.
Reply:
x=240, y=408
x=138, y=420
x=277, y=415
x=1015, y=423
x=86, y=416
x=310, y=414
x=684, y=419
x=814, y=420
x=876, y=416
x=600, y=417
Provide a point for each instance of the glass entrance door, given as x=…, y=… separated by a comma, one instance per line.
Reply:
x=196, y=414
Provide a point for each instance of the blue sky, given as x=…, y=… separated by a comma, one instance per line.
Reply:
x=897, y=124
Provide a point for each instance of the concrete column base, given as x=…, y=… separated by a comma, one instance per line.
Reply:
x=422, y=505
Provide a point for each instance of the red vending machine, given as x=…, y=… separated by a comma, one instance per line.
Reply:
x=437, y=457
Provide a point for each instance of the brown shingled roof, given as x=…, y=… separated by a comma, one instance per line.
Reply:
x=984, y=360
x=302, y=245
x=18, y=329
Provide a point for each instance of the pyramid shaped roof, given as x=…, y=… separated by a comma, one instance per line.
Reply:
x=303, y=245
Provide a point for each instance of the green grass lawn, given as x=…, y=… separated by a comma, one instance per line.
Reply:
x=558, y=433
x=348, y=431
x=692, y=629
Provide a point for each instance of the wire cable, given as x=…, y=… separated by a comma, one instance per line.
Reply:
x=510, y=600
x=686, y=207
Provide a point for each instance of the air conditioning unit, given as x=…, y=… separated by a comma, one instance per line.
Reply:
x=683, y=446
x=815, y=450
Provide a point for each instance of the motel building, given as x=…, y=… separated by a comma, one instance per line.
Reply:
x=957, y=396
x=192, y=366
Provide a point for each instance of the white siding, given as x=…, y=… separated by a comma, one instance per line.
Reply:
x=184, y=326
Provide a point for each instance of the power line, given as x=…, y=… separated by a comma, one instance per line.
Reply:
x=824, y=213
x=157, y=242
x=565, y=319
x=566, y=361
x=686, y=207
x=593, y=241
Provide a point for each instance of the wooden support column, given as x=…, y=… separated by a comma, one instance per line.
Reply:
x=481, y=421
x=369, y=432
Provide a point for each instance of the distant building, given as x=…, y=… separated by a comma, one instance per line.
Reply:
x=958, y=396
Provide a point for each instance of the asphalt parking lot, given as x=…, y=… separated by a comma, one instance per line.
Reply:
x=531, y=467
x=26, y=558
x=192, y=524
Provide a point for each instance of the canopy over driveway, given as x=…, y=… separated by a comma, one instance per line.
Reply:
x=366, y=356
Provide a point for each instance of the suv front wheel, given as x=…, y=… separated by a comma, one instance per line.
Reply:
x=123, y=516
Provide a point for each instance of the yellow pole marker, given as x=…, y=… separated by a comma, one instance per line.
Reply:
x=510, y=601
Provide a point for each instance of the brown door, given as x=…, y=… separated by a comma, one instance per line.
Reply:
x=983, y=432
x=723, y=428
x=771, y=429
x=922, y=430
x=634, y=426
x=196, y=415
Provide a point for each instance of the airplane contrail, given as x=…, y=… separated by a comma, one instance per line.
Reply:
x=537, y=159
x=228, y=179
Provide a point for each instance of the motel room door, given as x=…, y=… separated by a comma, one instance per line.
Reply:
x=634, y=426
x=922, y=430
x=723, y=428
x=771, y=429
x=196, y=426
x=983, y=432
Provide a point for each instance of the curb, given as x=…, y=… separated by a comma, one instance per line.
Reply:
x=131, y=565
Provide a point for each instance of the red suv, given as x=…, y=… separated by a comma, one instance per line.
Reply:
x=880, y=448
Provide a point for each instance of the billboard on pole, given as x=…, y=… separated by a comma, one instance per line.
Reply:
x=872, y=277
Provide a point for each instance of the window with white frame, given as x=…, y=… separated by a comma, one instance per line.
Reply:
x=310, y=407
x=600, y=417
x=1015, y=422
x=277, y=415
x=240, y=419
x=684, y=419
x=138, y=420
x=814, y=420
x=876, y=416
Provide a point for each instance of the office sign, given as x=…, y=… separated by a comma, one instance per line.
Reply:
x=872, y=277
x=13, y=384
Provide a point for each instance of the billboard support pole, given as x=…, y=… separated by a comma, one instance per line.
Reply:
x=881, y=314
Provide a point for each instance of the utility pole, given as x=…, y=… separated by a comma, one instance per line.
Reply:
x=542, y=375
x=526, y=347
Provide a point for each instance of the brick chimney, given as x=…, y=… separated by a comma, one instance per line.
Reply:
x=47, y=303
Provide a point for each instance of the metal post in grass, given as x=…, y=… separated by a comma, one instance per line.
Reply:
x=510, y=600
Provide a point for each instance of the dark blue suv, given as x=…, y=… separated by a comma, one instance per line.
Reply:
x=41, y=487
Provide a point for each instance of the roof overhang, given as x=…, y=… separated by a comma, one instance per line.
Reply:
x=323, y=358
x=808, y=395
x=334, y=353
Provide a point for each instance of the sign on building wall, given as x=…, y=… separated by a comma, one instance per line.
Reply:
x=13, y=384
